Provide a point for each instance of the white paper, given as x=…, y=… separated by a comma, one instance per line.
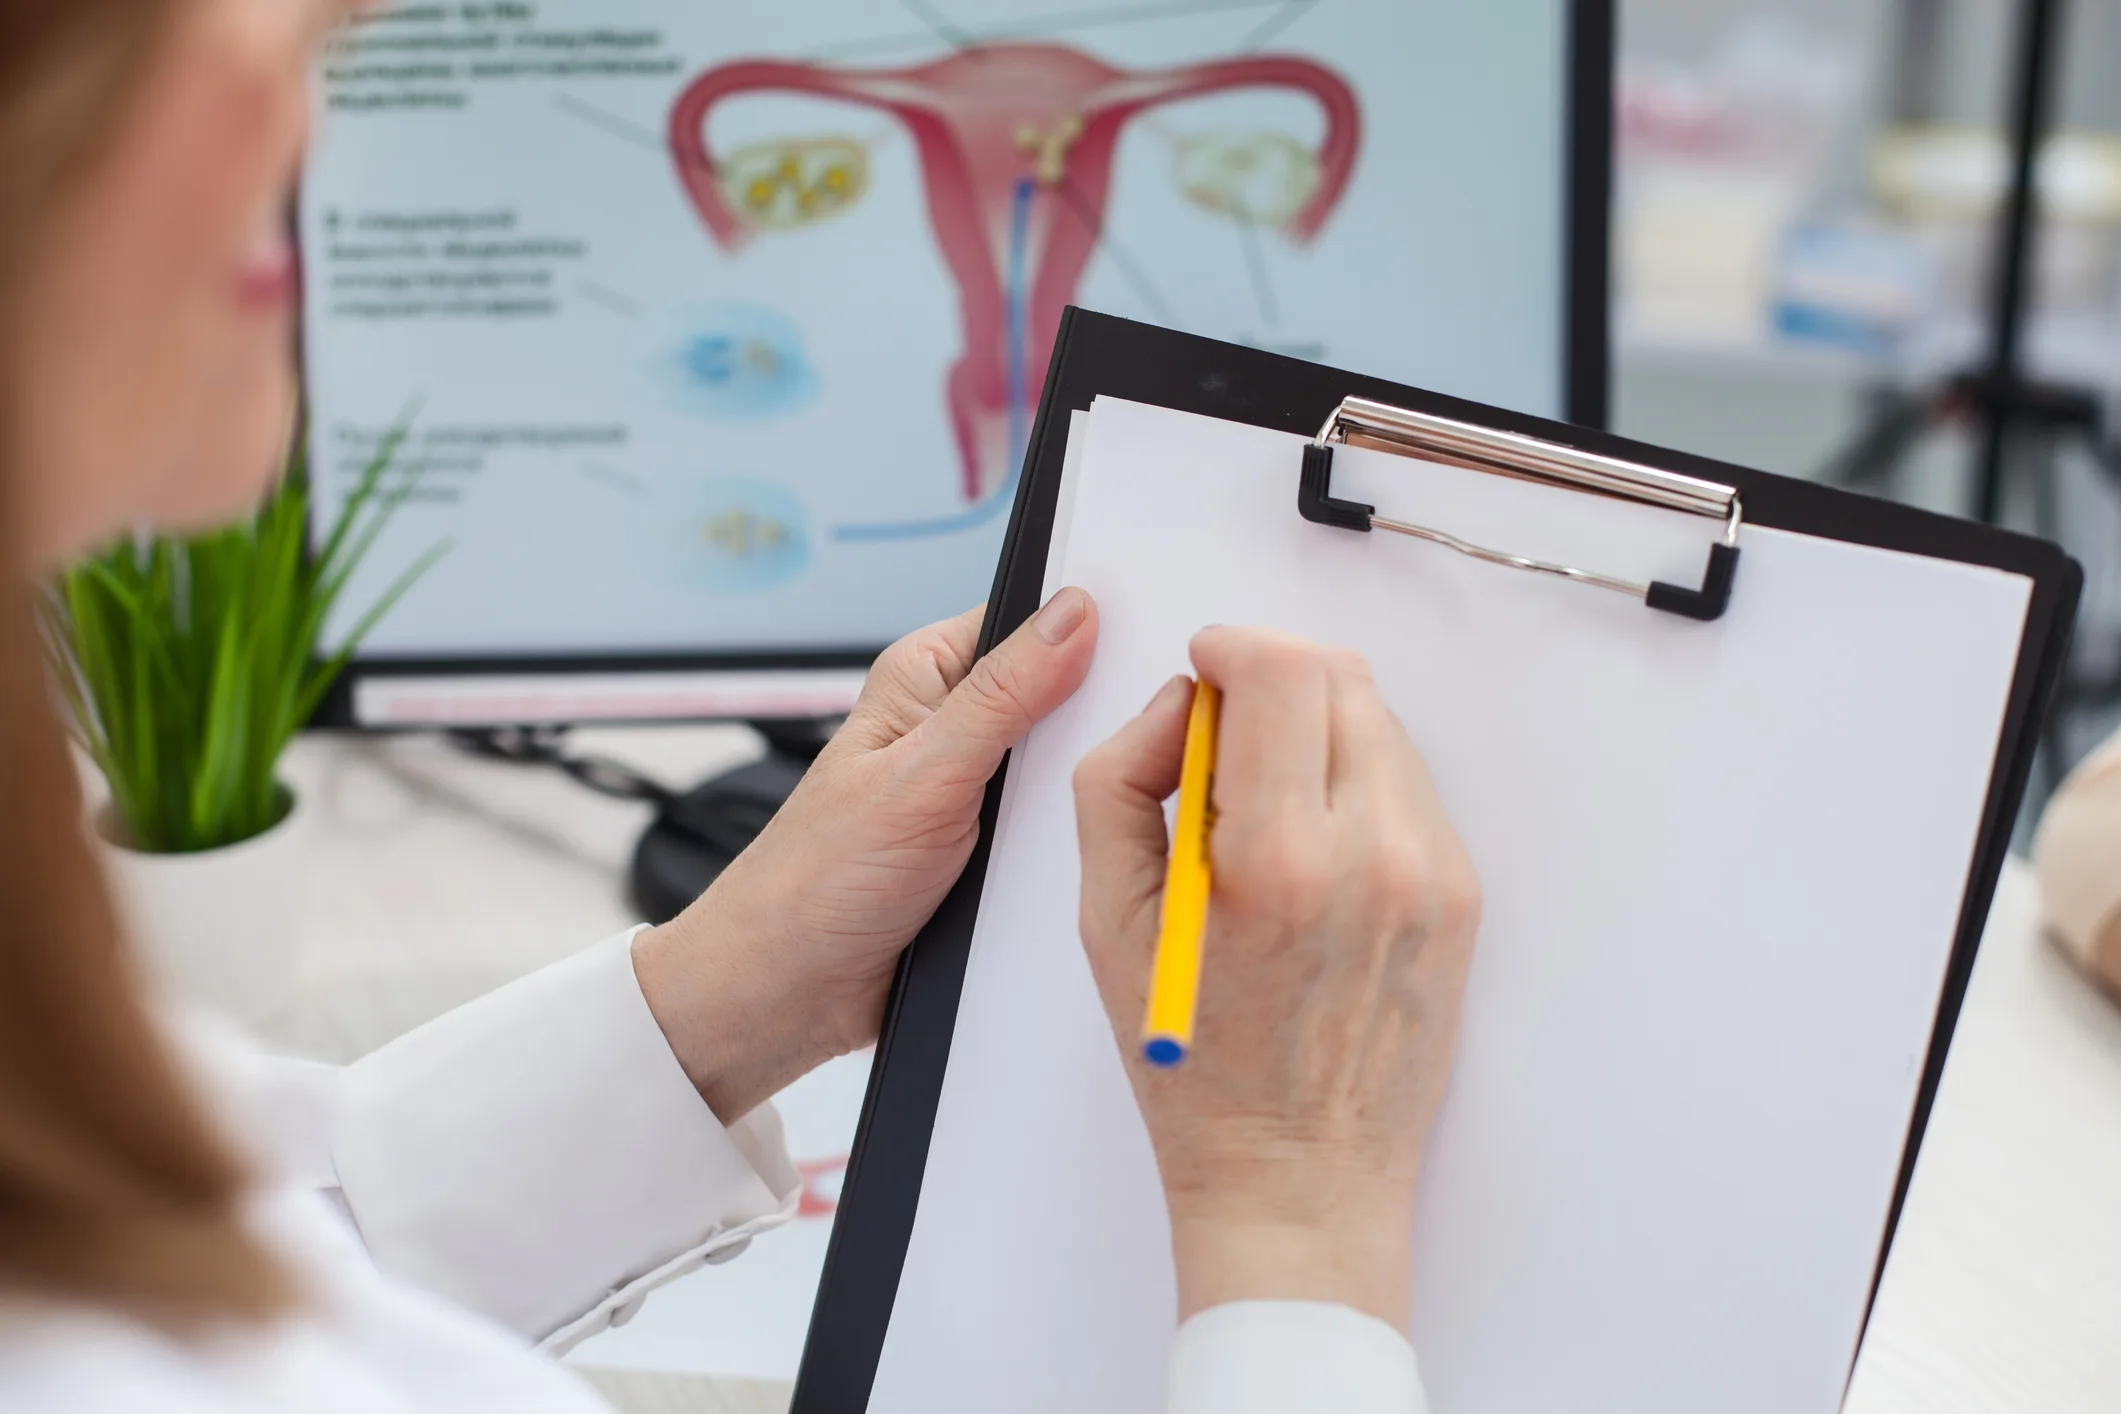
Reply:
x=1723, y=866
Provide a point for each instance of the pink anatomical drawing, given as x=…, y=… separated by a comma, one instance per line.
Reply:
x=1016, y=145
x=822, y=1178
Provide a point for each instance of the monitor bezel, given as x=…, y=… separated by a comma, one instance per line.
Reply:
x=1584, y=380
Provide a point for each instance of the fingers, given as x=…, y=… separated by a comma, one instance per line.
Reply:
x=1001, y=696
x=910, y=679
x=1120, y=789
x=1371, y=758
x=1272, y=752
x=1381, y=789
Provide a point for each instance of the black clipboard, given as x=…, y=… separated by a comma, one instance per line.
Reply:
x=1097, y=354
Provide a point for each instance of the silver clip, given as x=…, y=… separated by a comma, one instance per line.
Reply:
x=1364, y=422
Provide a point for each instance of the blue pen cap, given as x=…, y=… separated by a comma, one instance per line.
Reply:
x=1162, y=1050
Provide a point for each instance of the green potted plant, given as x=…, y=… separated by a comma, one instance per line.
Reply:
x=186, y=665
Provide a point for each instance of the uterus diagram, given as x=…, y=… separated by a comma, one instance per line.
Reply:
x=1016, y=146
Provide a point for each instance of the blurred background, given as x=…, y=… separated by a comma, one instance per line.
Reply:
x=1806, y=201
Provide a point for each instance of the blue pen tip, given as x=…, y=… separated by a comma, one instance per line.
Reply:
x=1162, y=1050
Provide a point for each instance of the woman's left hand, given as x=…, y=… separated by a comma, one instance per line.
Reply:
x=784, y=962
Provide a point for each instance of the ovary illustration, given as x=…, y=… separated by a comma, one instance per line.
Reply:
x=778, y=185
x=1016, y=143
x=743, y=534
x=1262, y=179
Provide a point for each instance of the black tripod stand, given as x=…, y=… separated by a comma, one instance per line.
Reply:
x=697, y=834
x=2026, y=423
x=2038, y=420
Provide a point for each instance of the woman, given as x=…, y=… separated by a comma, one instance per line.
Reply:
x=182, y=1229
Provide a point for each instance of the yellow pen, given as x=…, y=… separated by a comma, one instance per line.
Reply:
x=1174, y=985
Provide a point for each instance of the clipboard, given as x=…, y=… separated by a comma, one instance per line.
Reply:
x=1102, y=356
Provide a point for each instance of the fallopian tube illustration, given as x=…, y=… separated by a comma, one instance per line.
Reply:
x=1016, y=144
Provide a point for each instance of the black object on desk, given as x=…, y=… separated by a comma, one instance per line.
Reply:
x=696, y=835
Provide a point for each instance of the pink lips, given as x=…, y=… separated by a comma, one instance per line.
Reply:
x=266, y=279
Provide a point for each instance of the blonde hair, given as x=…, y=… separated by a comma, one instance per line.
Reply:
x=114, y=1185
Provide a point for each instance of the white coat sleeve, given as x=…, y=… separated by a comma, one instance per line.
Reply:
x=1292, y=1357
x=539, y=1155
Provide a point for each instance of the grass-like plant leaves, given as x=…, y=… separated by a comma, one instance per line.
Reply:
x=187, y=665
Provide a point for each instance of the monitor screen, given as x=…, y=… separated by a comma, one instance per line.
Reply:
x=715, y=332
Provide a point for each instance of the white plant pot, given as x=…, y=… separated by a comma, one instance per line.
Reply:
x=218, y=928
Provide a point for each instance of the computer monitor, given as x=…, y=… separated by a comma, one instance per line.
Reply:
x=716, y=330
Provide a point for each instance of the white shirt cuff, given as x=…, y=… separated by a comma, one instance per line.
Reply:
x=1292, y=1357
x=539, y=1155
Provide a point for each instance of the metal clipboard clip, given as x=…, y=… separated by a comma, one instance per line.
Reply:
x=1360, y=422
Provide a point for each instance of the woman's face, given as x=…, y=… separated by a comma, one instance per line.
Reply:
x=160, y=370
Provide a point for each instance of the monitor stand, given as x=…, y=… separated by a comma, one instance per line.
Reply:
x=694, y=837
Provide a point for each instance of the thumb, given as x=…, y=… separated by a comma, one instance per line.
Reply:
x=1006, y=693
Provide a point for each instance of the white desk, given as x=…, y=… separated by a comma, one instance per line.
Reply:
x=2003, y=1291
x=433, y=876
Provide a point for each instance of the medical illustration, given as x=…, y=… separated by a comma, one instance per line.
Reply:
x=822, y=1180
x=795, y=182
x=1259, y=178
x=742, y=361
x=723, y=534
x=1016, y=145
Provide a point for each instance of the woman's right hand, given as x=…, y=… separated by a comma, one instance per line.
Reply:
x=1339, y=931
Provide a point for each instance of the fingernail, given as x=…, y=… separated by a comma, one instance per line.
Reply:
x=1168, y=693
x=1062, y=616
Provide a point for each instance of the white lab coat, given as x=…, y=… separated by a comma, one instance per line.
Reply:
x=516, y=1176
